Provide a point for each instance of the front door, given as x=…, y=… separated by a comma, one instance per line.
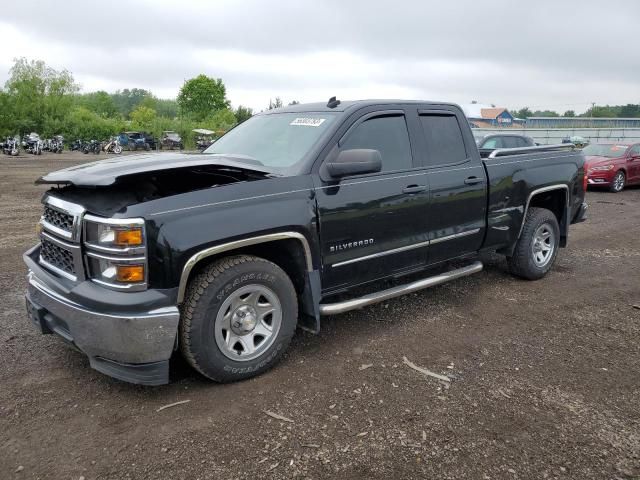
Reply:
x=370, y=225
x=633, y=163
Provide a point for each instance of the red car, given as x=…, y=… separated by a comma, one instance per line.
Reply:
x=613, y=165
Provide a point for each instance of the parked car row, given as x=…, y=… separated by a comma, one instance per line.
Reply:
x=611, y=165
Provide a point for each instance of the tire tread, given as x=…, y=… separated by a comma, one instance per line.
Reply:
x=195, y=291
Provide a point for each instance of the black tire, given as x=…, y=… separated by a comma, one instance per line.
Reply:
x=618, y=183
x=523, y=262
x=147, y=147
x=206, y=295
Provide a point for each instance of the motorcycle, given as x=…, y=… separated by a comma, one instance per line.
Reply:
x=56, y=144
x=77, y=146
x=113, y=146
x=11, y=146
x=32, y=144
x=93, y=146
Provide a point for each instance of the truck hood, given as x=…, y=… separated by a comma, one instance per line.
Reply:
x=107, y=172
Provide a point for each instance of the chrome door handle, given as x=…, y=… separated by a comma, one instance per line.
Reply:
x=473, y=180
x=414, y=189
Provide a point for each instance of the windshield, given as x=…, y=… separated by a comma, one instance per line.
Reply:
x=275, y=140
x=609, y=151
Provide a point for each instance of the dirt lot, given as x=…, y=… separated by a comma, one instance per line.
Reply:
x=545, y=378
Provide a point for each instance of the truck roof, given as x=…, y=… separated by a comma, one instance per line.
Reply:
x=349, y=105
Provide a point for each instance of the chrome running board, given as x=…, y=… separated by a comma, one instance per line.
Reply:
x=341, y=307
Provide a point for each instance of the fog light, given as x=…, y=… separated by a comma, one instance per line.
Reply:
x=130, y=273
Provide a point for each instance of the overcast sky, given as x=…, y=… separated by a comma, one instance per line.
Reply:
x=560, y=54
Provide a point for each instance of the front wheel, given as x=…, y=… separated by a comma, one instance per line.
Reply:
x=537, y=247
x=117, y=149
x=617, y=185
x=238, y=318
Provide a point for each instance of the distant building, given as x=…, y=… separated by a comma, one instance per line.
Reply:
x=486, y=116
x=582, y=122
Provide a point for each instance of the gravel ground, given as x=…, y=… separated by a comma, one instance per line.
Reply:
x=545, y=378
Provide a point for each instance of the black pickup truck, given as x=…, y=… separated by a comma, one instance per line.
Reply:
x=221, y=255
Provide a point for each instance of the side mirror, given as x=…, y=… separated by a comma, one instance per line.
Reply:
x=355, y=161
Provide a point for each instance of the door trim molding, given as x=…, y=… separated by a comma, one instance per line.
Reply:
x=407, y=247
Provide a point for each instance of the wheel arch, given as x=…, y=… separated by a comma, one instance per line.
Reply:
x=269, y=245
x=554, y=198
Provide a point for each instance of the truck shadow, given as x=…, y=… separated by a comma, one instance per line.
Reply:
x=346, y=331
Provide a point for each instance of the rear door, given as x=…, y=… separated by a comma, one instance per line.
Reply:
x=457, y=182
x=371, y=225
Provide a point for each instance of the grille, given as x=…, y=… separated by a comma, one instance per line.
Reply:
x=63, y=221
x=57, y=256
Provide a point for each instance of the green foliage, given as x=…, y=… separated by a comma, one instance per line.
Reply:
x=166, y=107
x=199, y=97
x=128, y=99
x=522, y=113
x=620, y=111
x=277, y=103
x=87, y=125
x=37, y=97
x=569, y=113
x=142, y=117
x=99, y=102
x=243, y=113
x=545, y=113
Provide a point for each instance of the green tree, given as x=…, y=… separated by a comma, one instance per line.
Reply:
x=569, y=113
x=545, y=113
x=167, y=107
x=277, y=103
x=522, y=113
x=201, y=96
x=99, y=102
x=220, y=121
x=630, y=110
x=38, y=95
x=128, y=99
x=243, y=113
x=143, y=117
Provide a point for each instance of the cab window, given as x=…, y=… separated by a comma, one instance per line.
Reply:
x=389, y=135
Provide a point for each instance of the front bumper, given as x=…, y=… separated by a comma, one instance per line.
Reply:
x=601, y=178
x=133, y=342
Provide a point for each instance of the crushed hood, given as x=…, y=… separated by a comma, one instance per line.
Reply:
x=107, y=172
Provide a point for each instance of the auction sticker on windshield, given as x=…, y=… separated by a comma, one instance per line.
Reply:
x=308, y=122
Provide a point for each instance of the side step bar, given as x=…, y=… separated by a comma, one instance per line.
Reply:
x=341, y=307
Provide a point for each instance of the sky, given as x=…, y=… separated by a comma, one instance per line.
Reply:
x=558, y=55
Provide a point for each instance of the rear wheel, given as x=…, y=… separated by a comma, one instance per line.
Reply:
x=537, y=247
x=238, y=318
x=617, y=185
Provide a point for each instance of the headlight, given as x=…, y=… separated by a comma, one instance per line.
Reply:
x=116, y=252
x=119, y=236
x=602, y=168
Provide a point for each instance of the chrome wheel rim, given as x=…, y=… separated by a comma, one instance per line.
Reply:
x=543, y=246
x=618, y=182
x=248, y=322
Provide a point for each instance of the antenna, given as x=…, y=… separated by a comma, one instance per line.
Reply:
x=333, y=102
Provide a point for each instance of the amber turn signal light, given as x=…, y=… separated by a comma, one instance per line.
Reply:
x=128, y=237
x=130, y=273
